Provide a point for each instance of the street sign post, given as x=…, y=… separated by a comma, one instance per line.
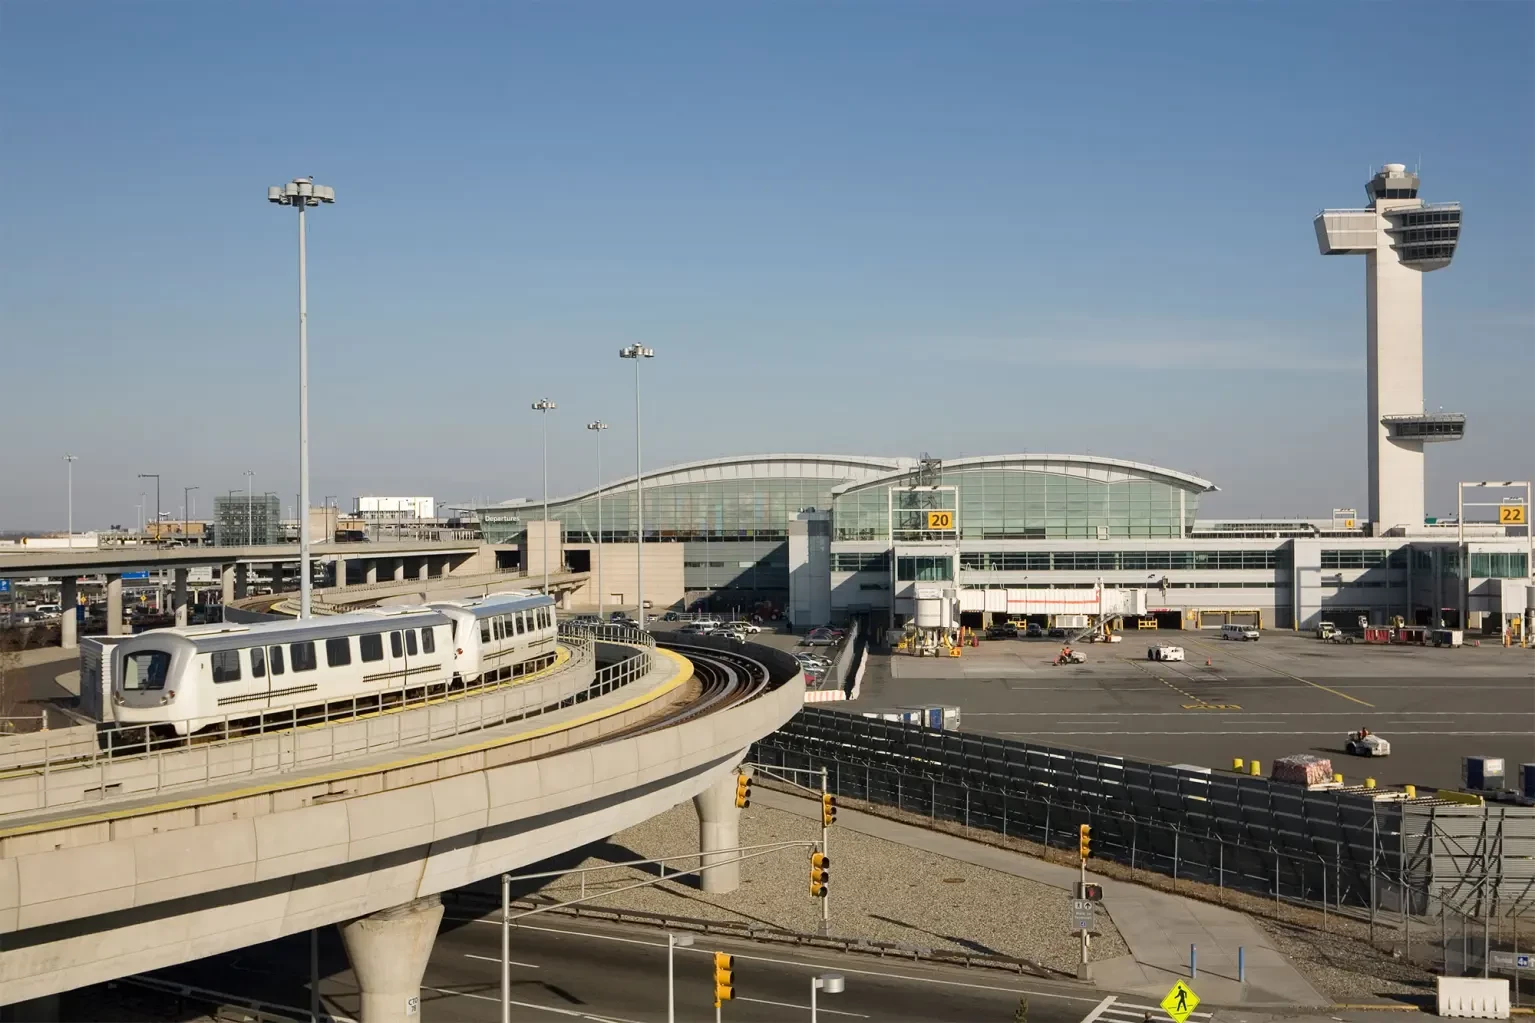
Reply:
x=1180, y=1002
x=1082, y=915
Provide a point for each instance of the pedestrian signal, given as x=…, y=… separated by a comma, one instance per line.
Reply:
x=1085, y=840
x=828, y=809
x=743, y=791
x=724, y=978
x=820, y=874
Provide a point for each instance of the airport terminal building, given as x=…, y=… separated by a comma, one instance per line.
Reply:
x=831, y=537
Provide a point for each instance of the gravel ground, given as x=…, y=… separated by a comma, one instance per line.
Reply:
x=880, y=891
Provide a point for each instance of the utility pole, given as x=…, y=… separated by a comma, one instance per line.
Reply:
x=827, y=816
x=156, y=477
x=70, y=460
x=597, y=428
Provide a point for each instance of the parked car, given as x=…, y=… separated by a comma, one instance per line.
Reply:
x=1035, y=630
x=744, y=626
x=1057, y=633
x=812, y=661
x=1240, y=632
x=820, y=637
x=670, y=616
x=1002, y=630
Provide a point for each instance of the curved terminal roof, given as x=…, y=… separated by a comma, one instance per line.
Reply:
x=736, y=467
x=1103, y=470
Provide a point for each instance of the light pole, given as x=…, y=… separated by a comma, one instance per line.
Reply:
x=638, y=352
x=186, y=513
x=831, y=983
x=545, y=406
x=597, y=429
x=250, y=512
x=70, y=461
x=673, y=942
x=301, y=193
x=156, y=477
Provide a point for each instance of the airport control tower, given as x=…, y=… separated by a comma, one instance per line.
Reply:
x=1401, y=237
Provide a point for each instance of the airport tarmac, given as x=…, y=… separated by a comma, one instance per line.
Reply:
x=1284, y=694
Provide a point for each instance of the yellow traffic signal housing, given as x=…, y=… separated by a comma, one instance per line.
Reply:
x=1085, y=840
x=828, y=809
x=724, y=978
x=820, y=874
x=743, y=791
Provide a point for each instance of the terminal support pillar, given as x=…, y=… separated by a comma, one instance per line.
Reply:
x=227, y=583
x=179, y=597
x=242, y=580
x=340, y=564
x=399, y=570
x=389, y=952
x=719, y=827
x=370, y=574
x=114, y=604
x=69, y=596
x=424, y=570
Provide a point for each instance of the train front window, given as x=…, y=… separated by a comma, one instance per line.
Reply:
x=146, y=669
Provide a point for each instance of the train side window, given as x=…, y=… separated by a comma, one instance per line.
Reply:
x=410, y=642
x=429, y=640
x=371, y=646
x=303, y=656
x=500, y=621
x=338, y=651
x=226, y=665
x=521, y=624
x=274, y=654
x=484, y=630
x=258, y=662
x=396, y=647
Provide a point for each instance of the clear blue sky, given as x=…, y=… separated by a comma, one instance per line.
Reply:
x=856, y=227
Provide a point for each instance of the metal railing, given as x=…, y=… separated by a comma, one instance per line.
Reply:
x=133, y=760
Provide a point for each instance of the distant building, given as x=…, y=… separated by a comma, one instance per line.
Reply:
x=395, y=509
x=239, y=520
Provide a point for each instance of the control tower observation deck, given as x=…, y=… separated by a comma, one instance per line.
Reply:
x=1401, y=237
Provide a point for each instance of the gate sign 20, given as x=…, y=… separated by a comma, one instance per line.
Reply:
x=940, y=520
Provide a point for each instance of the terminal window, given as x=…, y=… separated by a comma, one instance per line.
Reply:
x=924, y=569
x=1489, y=565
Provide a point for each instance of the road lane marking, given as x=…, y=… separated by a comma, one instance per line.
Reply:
x=1307, y=681
x=1098, y=1009
x=744, y=940
x=803, y=1008
x=493, y=959
x=577, y=1013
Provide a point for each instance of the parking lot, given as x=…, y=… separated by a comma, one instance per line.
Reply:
x=1284, y=694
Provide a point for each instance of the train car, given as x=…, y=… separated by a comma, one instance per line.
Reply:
x=190, y=678
x=502, y=635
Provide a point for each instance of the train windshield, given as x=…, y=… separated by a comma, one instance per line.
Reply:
x=146, y=669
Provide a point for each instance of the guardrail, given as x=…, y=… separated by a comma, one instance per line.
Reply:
x=132, y=759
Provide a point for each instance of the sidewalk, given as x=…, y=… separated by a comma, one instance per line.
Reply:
x=1157, y=926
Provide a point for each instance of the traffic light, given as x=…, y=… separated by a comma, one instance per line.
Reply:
x=724, y=982
x=828, y=809
x=1085, y=840
x=820, y=874
x=743, y=791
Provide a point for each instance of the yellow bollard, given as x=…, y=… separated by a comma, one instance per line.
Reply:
x=1236, y=764
x=1369, y=783
x=1338, y=777
x=1412, y=791
x=1254, y=768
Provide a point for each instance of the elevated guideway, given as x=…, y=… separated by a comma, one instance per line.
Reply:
x=114, y=865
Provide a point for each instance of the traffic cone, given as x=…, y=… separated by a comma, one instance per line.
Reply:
x=1207, y=662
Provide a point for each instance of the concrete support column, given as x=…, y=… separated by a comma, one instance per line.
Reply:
x=242, y=581
x=424, y=570
x=340, y=573
x=389, y=952
x=179, y=597
x=719, y=827
x=399, y=569
x=370, y=573
x=226, y=583
x=114, y=604
x=69, y=596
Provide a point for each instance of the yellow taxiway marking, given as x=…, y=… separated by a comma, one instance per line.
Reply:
x=1307, y=681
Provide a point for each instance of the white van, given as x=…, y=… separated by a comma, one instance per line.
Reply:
x=1239, y=632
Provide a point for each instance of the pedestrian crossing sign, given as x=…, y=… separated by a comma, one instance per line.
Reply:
x=1180, y=1002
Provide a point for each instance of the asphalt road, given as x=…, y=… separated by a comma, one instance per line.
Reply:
x=587, y=970
x=1284, y=694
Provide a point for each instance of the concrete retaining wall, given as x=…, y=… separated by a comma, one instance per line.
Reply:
x=57, y=744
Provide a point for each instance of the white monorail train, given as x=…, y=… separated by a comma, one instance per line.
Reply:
x=190, y=678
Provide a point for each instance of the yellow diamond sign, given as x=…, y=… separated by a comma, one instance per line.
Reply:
x=1180, y=1002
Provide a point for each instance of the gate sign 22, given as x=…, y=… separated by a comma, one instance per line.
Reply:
x=942, y=520
x=1508, y=514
